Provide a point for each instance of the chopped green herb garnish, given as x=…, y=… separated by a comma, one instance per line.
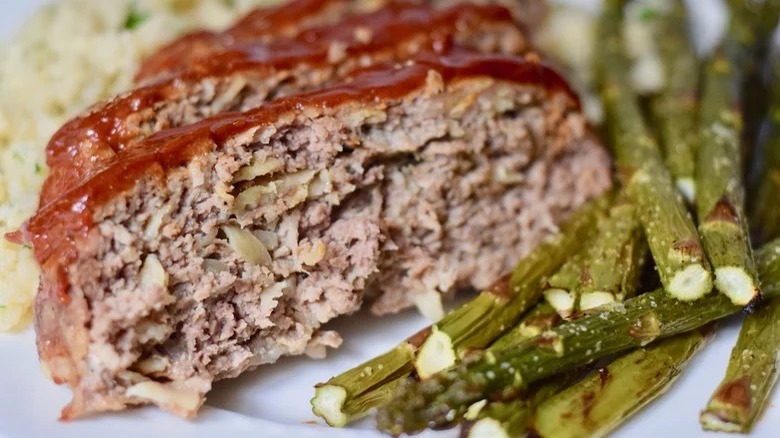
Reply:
x=135, y=17
x=27, y=246
x=648, y=14
x=38, y=168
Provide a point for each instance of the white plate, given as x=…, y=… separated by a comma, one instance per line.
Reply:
x=274, y=400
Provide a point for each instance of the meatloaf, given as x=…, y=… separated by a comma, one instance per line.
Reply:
x=243, y=76
x=210, y=249
x=291, y=19
x=263, y=24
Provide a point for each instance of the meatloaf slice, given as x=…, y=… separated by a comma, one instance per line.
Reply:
x=210, y=249
x=263, y=24
x=290, y=19
x=244, y=76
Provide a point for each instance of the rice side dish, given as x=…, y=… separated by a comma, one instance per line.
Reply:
x=69, y=55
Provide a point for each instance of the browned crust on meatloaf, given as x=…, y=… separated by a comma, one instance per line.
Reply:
x=245, y=76
x=147, y=297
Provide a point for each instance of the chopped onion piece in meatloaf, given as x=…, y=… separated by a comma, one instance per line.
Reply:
x=430, y=176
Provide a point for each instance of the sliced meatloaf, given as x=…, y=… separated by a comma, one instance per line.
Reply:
x=210, y=249
x=244, y=76
x=290, y=19
x=264, y=24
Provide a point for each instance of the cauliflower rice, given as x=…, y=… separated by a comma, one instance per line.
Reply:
x=70, y=55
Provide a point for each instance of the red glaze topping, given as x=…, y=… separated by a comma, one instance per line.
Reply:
x=261, y=23
x=387, y=27
x=54, y=228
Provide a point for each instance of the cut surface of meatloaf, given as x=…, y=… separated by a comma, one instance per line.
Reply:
x=290, y=19
x=210, y=249
x=245, y=76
